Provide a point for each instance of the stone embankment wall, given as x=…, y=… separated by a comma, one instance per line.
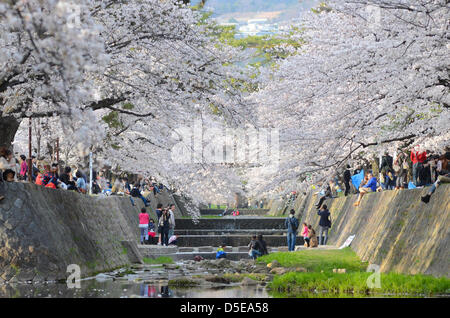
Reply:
x=43, y=230
x=394, y=229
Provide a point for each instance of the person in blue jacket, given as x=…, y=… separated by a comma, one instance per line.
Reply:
x=291, y=224
x=370, y=186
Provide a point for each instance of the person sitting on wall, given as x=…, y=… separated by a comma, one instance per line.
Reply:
x=441, y=179
x=370, y=186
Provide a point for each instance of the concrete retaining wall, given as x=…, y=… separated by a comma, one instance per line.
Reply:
x=394, y=229
x=43, y=230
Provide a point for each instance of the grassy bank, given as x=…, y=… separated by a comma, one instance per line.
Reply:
x=356, y=283
x=318, y=260
x=321, y=281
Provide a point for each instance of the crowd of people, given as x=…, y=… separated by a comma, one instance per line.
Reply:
x=307, y=232
x=163, y=231
x=416, y=169
x=72, y=178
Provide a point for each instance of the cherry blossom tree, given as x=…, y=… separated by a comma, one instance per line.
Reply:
x=372, y=75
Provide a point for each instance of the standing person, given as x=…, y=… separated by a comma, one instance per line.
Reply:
x=172, y=219
x=158, y=212
x=144, y=219
x=34, y=168
x=347, y=179
x=163, y=227
x=291, y=224
x=399, y=168
x=151, y=231
x=370, y=186
x=386, y=163
x=158, y=215
x=418, y=157
x=23, y=168
x=305, y=233
x=324, y=224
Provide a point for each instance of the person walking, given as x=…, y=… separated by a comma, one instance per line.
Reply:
x=291, y=224
x=324, y=224
x=163, y=227
x=144, y=219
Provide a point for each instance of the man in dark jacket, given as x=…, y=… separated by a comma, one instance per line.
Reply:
x=291, y=224
x=324, y=224
x=347, y=179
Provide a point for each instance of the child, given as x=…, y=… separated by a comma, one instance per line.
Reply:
x=305, y=234
x=221, y=253
x=151, y=231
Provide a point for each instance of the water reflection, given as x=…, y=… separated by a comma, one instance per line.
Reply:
x=126, y=289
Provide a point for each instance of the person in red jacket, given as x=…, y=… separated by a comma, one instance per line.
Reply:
x=418, y=157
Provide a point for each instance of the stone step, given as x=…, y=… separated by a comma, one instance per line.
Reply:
x=242, y=212
x=248, y=232
x=233, y=223
x=229, y=240
x=207, y=252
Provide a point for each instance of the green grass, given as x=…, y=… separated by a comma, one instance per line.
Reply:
x=295, y=283
x=159, y=260
x=318, y=260
x=320, y=281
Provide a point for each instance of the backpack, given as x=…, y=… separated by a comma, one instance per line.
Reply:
x=294, y=225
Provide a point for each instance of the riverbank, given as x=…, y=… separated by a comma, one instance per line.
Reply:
x=340, y=273
x=393, y=229
x=43, y=231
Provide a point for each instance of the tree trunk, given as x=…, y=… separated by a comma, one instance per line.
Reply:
x=8, y=129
